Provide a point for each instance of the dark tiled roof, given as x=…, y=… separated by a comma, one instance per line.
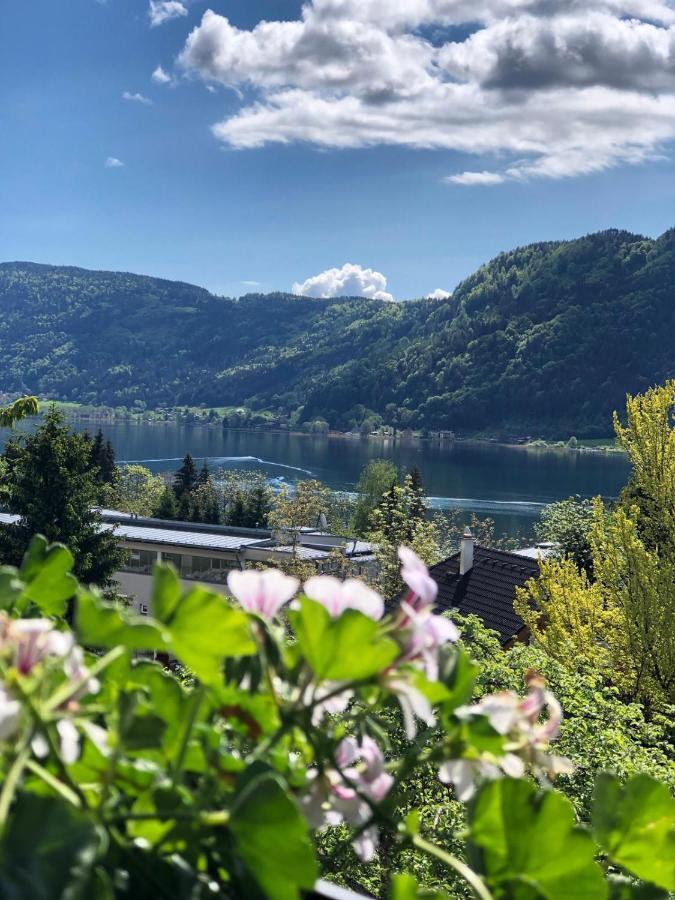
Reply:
x=487, y=590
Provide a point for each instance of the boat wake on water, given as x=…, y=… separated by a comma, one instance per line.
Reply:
x=218, y=459
x=515, y=507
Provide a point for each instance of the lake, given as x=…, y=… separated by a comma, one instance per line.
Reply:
x=509, y=484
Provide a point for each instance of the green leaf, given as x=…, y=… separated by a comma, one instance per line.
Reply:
x=46, y=845
x=458, y=672
x=166, y=593
x=273, y=839
x=205, y=629
x=635, y=824
x=344, y=649
x=622, y=888
x=47, y=573
x=101, y=624
x=405, y=887
x=526, y=844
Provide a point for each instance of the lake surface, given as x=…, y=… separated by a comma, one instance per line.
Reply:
x=509, y=484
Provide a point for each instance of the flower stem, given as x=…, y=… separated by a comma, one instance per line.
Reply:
x=475, y=882
x=11, y=784
x=70, y=690
x=196, y=701
x=54, y=782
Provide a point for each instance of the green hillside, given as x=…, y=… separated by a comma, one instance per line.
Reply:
x=546, y=338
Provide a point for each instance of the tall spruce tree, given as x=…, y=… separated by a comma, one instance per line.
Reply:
x=185, y=479
x=50, y=484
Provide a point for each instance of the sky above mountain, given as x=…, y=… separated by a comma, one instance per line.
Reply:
x=376, y=147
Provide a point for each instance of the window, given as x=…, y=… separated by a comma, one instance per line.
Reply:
x=141, y=561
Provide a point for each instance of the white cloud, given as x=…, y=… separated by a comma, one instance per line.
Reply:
x=349, y=281
x=439, y=294
x=252, y=283
x=112, y=162
x=161, y=11
x=471, y=178
x=161, y=76
x=137, y=98
x=552, y=88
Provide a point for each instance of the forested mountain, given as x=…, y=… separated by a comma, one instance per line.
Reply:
x=546, y=338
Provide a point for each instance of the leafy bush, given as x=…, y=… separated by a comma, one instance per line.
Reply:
x=123, y=778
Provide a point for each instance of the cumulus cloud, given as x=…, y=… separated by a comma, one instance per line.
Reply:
x=349, y=281
x=112, y=162
x=552, y=88
x=161, y=76
x=137, y=98
x=161, y=11
x=439, y=294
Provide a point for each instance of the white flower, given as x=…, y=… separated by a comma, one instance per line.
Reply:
x=337, y=703
x=69, y=741
x=10, y=710
x=76, y=671
x=416, y=575
x=464, y=773
x=263, y=593
x=413, y=703
x=337, y=596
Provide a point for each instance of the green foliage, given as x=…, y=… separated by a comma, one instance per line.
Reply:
x=20, y=409
x=547, y=337
x=50, y=484
x=526, y=844
x=120, y=778
x=378, y=477
x=568, y=524
x=400, y=520
x=635, y=825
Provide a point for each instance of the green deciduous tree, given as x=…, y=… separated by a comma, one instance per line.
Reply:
x=401, y=519
x=568, y=524
x=378, y=476
x=136, y=490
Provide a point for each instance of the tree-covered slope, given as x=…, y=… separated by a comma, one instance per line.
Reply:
x=546, y=338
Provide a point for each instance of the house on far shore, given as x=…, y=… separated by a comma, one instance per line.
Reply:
x=482, y=582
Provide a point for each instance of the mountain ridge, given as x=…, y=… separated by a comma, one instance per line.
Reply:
x=547, y=337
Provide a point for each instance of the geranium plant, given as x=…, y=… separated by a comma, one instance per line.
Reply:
x=200, y=751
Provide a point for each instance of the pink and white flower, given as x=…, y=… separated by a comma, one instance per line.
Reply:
x=423, y=588
x=337, y=596
x=263, y=593
x=342, y=794
x=414, y=705
x=30, y=641
x=527, y=738
x=69, y=740
x=10, y=712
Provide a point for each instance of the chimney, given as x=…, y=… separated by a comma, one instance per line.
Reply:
x=466, y=552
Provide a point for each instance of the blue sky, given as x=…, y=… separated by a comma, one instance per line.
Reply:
x=226, y=209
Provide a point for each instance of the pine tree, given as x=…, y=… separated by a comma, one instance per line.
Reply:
x=50, y=484
x=184, y=507
x=204, y=476
x=257, y=508
x=185, y=478
x=167, y=507
x=236, y=513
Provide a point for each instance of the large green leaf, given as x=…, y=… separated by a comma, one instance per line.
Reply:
x=635, y=824
x=47, y=573
x=101, y=624
x=525, y=844
x=272, y=839
x=45, y=849
x=343, y=649
x=166, y=592
x=204, y=629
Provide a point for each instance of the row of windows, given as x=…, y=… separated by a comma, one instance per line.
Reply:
x=201, y=568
